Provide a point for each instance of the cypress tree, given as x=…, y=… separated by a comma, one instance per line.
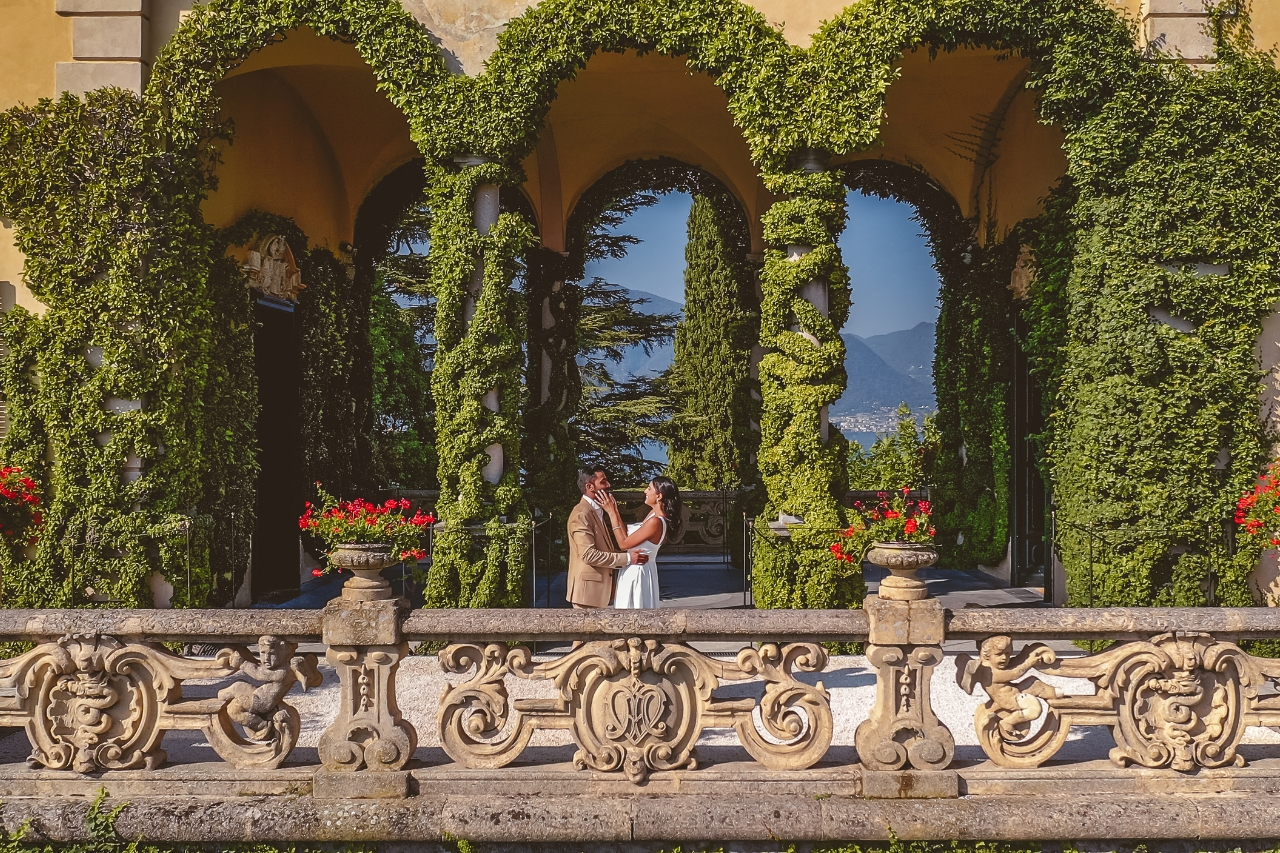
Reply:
x=712, y=444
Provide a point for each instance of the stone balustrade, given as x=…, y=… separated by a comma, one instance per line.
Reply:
x=637, y=692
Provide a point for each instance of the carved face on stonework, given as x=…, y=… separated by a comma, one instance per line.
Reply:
x=271, y=652
x=995, y=652
x=277, y=248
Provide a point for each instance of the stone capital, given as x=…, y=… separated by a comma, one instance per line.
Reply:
x=902, y=623
x=363, y=623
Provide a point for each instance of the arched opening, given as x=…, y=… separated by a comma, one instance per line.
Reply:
x=663, y=382
x=321, y=169
x=627, y=133
x=963, y=146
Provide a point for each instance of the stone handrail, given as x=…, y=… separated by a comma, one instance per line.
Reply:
x=1113, y=623
x=98, y=690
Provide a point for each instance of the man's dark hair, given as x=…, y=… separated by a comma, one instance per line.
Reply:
x=586, y=475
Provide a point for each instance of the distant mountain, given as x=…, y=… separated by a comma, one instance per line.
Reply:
x=884, y=370
x=875, y=385
x=909, y=351
x=655, y=304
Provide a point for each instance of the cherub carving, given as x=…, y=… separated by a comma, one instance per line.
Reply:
x=1013, y=702
x=258, y=708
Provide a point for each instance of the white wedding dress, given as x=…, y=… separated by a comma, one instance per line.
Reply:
x=638, y=584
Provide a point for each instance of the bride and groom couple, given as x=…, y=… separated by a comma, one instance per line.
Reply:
x=610, y=561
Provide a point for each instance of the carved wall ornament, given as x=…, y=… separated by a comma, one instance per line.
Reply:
x=1179, y=700
x=91, y=702
x=635, y=705
x=272, y=270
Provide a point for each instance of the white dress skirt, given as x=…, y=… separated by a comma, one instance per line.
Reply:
x=638, y=584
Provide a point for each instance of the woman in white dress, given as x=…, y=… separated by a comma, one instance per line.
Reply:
x=638, y=584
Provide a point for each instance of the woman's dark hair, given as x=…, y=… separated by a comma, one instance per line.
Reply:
x=672, y=506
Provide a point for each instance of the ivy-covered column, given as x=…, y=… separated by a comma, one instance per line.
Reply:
x=481, y=549
x=128, y=393
x=802, y=460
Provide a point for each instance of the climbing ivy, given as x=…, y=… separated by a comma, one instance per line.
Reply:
x=1154, y=429
x=475, y=356
x=1168, y=168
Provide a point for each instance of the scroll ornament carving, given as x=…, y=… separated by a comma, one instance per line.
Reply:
x=92, y=702
x=1178, y=700
x=635, y=705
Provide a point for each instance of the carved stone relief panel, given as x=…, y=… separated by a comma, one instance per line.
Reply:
x=1179, y=700
x=272, y=270
x=635, y=705
x=92, y=702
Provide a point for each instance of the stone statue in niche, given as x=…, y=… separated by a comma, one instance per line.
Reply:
x=272, y=270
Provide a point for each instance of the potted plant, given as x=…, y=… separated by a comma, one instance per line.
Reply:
x=895, y=533
x=21, y=518
x=365, y=538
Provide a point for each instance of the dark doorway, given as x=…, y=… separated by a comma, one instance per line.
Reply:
x=1029, y=499
x=280, y=494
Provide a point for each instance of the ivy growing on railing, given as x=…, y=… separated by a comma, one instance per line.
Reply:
x=1167, y=168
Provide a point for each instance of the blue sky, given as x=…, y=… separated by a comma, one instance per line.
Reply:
x=894, y=284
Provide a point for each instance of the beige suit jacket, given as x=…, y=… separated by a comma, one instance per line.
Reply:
x=592, y=558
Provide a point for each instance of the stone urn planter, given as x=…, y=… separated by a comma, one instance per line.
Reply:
x=365, y=561
x=903, y=560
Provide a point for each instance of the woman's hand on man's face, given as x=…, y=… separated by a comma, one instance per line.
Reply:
x=607, y=501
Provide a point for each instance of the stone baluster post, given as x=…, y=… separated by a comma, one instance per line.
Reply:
x=365, y=645
x=904, y=645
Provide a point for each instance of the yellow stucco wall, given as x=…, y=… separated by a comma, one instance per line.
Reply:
x=33, y=38
x=312, y=137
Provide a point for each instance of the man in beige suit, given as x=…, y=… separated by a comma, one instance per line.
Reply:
x=593, y=558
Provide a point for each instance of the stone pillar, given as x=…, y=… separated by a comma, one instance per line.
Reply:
x=362, y=631
x=109, y=44
x=816, y=291
x=548, y=322
x=904, y=645
x=485, y=207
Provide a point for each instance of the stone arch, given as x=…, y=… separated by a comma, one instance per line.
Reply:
x=827, y=98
